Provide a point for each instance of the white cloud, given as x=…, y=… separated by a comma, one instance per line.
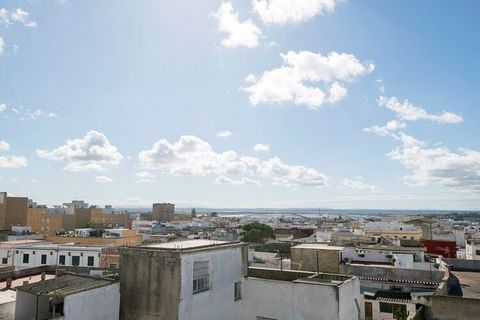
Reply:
x=9, y=162
x=387, y=129
x=21, y=16
x=239, y=33
x=291, y=81
x=458, y=171
x=283, y=12
x=191, y=155
x=224, y=134
x=4, y=146
x=241, y=182
x=145, y=177
x=359, y=185
x=261, y=147
x=407, y=111
x=92, y=152
x=2, y=46
x=380, y=85
x=3, y=107
x=103, y=179
x=29, y=114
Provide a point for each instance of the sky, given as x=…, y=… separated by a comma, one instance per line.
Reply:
x=242, y=104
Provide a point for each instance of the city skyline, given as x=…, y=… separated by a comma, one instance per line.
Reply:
x=326, y=103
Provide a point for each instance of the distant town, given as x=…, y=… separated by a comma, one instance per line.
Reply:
x=82, y=261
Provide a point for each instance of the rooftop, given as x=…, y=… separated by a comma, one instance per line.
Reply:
x=318, y=246
x=189, y=244
x=65, y=285
x=470, y=283
x=298, y=276
x=31, y=279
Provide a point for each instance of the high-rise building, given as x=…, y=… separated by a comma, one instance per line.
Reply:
x=163, y=212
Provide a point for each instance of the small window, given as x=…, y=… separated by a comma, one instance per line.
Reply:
x=237, y=291
x=61, y=260
x=477, y=252
x=4, y=260
x=201, y=276
x=90, y=261
x=44, y=259
x=26, y=258
x=75, y=261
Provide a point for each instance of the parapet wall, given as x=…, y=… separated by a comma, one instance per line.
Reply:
x=392, y=273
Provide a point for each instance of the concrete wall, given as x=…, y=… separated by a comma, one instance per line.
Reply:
x=349, y=299
x=463, y=265
x=226, y=267
x=149, y=284
x=284, y=300
x=450, y=308
x=28, y=306
x=15, y=212
x=392, y=273
x=306, y=259
x=100, y=303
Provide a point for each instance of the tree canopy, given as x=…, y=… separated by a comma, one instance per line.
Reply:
x=257, y=232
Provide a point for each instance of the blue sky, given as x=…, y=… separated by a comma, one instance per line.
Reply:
x=120, y=102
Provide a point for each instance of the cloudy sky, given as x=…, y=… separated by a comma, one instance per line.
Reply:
x=262, y=103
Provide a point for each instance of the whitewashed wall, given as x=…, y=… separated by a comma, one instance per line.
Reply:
x=99, y=304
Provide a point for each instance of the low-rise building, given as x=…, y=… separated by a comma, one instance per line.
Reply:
x=472, y=249
x=70, y=296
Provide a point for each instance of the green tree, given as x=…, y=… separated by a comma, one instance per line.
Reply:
x=257, y=232
x=193, y=214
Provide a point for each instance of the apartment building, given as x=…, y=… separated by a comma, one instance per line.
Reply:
x=13, y=211
x=472, y=249
x=163, y=212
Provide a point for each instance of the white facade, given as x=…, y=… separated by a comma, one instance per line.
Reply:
x=24, y=256
x=217, y=303
x=299, y=300
x=101, y=303
x=472, y=249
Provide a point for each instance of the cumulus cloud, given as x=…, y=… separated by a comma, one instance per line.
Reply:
x=261, y=147
x=93, y=152
x=145, y=177
x=359, y=185
x=290, y=82
x=10, y=162
x=240, y=182
x=438, y=165
x=16, y=16
x=283, y=12
x=191, y=155
x=387, y=129
x=224, y=134
x=103, y=179
x=239, y=33
x=3, y=107
x=407, y=111
x=4, y=146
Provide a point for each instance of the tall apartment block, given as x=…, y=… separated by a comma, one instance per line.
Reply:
x=13, y=211
x=163, y=212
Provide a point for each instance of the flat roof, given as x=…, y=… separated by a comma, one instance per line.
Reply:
x=8, y=296
x=31, y=279
x=470, y=283
x=187, y=244
x=65, y=285
x=318, y=246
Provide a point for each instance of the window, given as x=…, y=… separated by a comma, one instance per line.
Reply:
x=90, y=261
x=237, y=291
x=4, y=260
x=264, y=318
x=399, y=310
x=26, y=258
x=75, y=261
x=61, y=260
x=201, y=276
x=386, y=307
x=477, y=252
x=44, y=259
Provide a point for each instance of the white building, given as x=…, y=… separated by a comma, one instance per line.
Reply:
x=69, y=297
x=202, y=279
x=32, y=253
x=472, y=249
